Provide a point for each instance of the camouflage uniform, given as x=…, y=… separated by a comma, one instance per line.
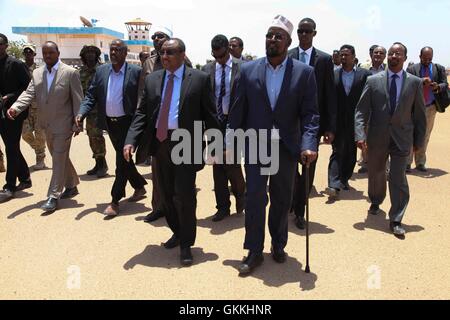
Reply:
x=96, y=139
x=31, y=132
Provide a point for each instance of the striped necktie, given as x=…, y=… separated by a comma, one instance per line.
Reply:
x=221, y=95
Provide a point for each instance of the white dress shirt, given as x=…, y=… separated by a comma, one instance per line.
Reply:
x=175, y=101
x=51, y=75
x=308, y=54
x=114, y=96
x=226, y=98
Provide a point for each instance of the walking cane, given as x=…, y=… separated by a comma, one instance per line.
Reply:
x=307, y=215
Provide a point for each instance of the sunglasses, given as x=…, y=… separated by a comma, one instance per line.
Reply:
x=278, y=36
x=168, y=52
x=158, y=36
x=301, y=31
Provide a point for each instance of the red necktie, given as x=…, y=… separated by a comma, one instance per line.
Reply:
x=161, y=131
x=426, y=89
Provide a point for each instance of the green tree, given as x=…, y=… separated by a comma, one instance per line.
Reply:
x=15, y=48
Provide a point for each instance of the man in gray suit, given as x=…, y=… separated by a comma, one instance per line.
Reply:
x=393, y=111
x=58, y=93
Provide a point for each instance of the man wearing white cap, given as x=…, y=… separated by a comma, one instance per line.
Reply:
x=275, y=92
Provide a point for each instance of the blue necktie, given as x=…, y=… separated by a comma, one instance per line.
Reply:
x=221, y=95
x=393, y=93
x=303, y=57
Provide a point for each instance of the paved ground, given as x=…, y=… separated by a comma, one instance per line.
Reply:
x=76, y=254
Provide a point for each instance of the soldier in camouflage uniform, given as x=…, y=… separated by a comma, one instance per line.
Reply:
x=90, y=56
x=31, y=132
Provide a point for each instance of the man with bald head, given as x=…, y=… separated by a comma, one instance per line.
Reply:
x=114, y=92
x=276, y=95
x=434, y=81
x=58, y=93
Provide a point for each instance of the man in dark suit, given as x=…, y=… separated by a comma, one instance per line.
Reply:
x=349, y=82
x=14, y=79
x=276, y=96
x=176, y=100
x=326, y=102
x=389, y=122
x=114, y=91
x=236, y=48
x=223, y=73
x=434, y=82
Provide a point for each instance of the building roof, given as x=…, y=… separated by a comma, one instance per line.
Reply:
x=138, y=21
x=139, y=43
x=67, y=30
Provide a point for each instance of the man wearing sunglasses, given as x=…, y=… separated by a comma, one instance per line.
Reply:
x=326, y=98
x=174, y=98
x=275, y=93
x=223, y=71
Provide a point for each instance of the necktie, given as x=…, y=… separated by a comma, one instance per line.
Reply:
x=221, y=94
x=393, y=93
x=161, y=131
x=426, y=89
x=303, y=57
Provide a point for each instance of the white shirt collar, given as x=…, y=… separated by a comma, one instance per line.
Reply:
x=399, y=74
x=308, y=52
x=229, y=63
x=55, y=67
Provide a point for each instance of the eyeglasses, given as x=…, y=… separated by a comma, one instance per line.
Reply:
x=302, y=31
x=158, y=35
x=278, y=36
x=169, y=52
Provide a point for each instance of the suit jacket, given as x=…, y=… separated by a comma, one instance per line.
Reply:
x=326, y=91
x=346, y=105
x=196, y=104
x=16, y=79
x=408, y=123
x=295, y=114
x=57, y=107
x=210, y=69
x=96, y=94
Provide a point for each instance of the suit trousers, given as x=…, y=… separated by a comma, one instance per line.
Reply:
x=342, y=162
x=63, y=172
x=222, y=173
x=281, y=185
x=156, y=193
x=125, y=171
x=420, y=156
x=178, y=194
x=17, y=167
x=398, y=184
x=299, y=196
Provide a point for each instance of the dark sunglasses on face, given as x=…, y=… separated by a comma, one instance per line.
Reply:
x=302, y=31
x=278, y=36
x=169, y=52
x=158, y=35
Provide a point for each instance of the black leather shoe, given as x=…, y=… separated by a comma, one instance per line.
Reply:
x=249, y=264
x=172, y=242
x=374, y=209
x=397, y=229
x=421, y=168
x=332, y=192
x=300, y=222
x=186, y=258
x=69, y=193
x=362, y=170
x=6, y=195
x=24, y=185
x=153, y=216
x=408, y=168
x=220, y=215
x=240, y=206
x=346, y=186
x=50, y=205
x=279, y=255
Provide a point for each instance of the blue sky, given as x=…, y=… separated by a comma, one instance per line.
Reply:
x=415, y=23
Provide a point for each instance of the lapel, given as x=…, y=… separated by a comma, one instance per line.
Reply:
x=126, y=79
x=386, y=87
x=44, y=80
x=314, y=57
x=285, y=85
x=417, y=69
x=262, y=81
x=356, y=80
x=56, y=79
x=213, y=75
x=435, y=73
x=106, y=81
x=234, y=70
x=185, y=84
x=339, y=83
x=402, y=91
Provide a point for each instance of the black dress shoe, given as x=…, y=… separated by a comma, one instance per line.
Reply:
x=374, y=209
x=220, y=215
x=345, y=186
x=300, y=222
x=186, y=258
x=249, y=264
x=50, y=205
x=408, y=168
x=421, y=168
x=240, y=206
x=172, y=242
x=397, y=229
x=69, y=193
x=6, y=195
x=153, y=216
x=24, y=185
x=279, y=255
x=332, y=192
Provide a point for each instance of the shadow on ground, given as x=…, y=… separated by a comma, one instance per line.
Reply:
x=125, y=209
x=314, y=228
x=62, y=204
x=430, y=174
x=276, y=275
x=155, y=256
x=233, y=222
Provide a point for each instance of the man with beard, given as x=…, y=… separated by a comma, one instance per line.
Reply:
x=392, y=112
x=236, y=48
x=276, y=98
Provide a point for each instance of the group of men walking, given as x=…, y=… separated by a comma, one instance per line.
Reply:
x=298, y=96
